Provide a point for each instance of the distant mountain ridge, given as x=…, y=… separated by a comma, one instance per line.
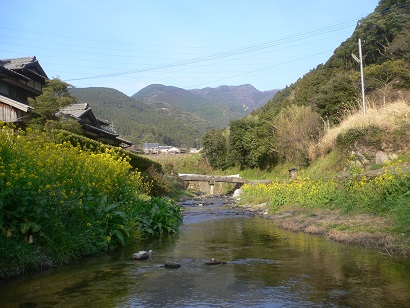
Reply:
x=233, y=97
x=171, y=115
x=245, y=94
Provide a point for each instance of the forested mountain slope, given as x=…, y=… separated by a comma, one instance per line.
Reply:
x=140, y=122
x=335, y=85
x=218, y=105
x=218, y=115
x=287, y=127
x=171, y=115
x=236, y=96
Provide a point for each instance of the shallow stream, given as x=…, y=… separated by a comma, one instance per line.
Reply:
x=265, y=267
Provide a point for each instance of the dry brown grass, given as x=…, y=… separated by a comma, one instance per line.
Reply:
x=387, y=118
x=296, y=128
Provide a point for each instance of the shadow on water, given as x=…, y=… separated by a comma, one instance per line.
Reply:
x=263, y=266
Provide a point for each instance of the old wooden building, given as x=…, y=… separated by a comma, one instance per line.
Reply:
x=24, y=78
x=93, y=127
x=20, y=79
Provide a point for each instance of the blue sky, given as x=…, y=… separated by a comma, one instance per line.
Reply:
x=128, y=45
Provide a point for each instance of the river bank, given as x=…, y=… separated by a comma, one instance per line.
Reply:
x=370, y=231
x=262, y=265
x=366, y=230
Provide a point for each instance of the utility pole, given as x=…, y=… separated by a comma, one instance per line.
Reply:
x=360, y=61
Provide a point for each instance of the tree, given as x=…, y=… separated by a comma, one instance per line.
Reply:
x=215, y=148
x=297, y=127
x=258, y=140
x=337, y=92
x=47, y=105
x=381, y=77
x=237, y=149
x=54, y=97
x=250, y=143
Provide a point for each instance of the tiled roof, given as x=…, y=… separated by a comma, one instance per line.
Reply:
x=79, y=110
x=24, y=63
x=75, y=110
x=82, y=106
x=17, y=63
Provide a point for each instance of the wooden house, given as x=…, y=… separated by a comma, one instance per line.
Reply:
x=20, y=79
x=93, y=127
x=24, y=78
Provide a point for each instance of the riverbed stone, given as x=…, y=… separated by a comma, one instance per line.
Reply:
x=381, y=157
x=237, y=193
x=141, y=255
x=170, y=264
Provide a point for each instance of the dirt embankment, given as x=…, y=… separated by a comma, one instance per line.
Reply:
x=362, y=229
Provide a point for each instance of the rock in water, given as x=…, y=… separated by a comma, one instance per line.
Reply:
x=169, y=264
x=214, y=262
x=141, y=255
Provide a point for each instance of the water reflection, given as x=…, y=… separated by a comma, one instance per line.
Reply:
x=265, y=267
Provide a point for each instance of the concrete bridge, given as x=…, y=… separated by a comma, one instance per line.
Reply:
x=215, y=183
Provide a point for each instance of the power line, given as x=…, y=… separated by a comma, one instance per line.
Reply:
x=233, y=52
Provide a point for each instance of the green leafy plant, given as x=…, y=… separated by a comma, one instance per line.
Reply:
x=158, y=216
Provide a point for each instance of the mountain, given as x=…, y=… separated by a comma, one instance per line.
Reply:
x=169, y=115
x=236, y=95
x=332, y=87
x=139, y=122
x=180, y=99
x=218, y=105
x=289, y=127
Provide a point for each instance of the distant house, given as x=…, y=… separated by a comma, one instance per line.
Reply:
x=94, y=128
x=155, y=148
x=165, y=149
x=151, y=148
x=20, y=79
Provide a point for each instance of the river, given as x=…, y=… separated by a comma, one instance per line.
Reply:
x=265, y=267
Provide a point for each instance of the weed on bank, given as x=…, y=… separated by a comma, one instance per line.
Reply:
x=386, y=193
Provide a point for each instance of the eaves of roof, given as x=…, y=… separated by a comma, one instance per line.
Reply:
x=15, y=104
x=28, y=71
x=125, y=141
x=100, y=130
x=8, y=72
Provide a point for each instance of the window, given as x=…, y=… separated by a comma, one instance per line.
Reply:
x=4, y=88
x=37, y=85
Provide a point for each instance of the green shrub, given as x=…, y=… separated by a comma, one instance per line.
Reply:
x=368, y=136
x=158, y=216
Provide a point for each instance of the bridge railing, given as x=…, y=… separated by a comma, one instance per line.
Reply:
x=212, y=178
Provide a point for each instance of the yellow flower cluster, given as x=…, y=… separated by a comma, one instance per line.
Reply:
x=302, y=191
x=30, y=165
x=358, y=192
